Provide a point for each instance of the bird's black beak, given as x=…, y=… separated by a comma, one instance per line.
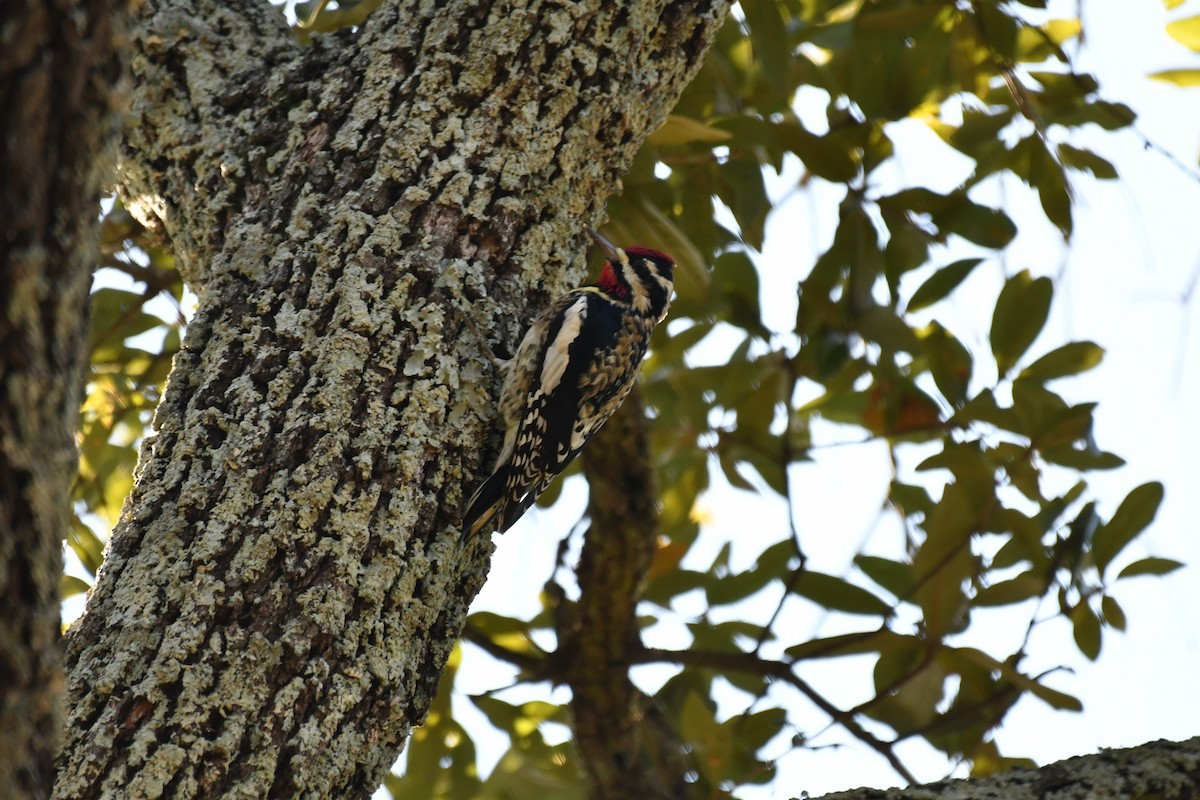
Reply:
x=610, y=250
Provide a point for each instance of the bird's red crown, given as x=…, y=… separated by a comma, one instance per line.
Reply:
x=647, y=252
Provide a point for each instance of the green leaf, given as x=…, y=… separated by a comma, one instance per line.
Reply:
x=1069, y=426
x=712, y=742
x=1021, y=312
x=823, y=156
x=941, y=283
x=1056, y=699
x=876, y=641
x=1070, y=359
x=1086, y=630
x=740, y=185
x=1036, y=406
x=895, y=576
x=1082, y=459
x=907, y=249
x=496, y=624
x=1053, y=190
x=1112, y=613
x=723, y=636
x=769, y=36
x=984, y=408
x=1087, y=161
x=1150, y=566
x=885, y=327
x=944, y=562
x=88, y=547
x=836, y=594
x=69, y=586
x=1017, y=590
x=736, y=279
x=986, y=227
x=753, y=731
x=910, y=500
x=999, y=29
x=769, y=566
x=531, y=763
x=1136, y=512
x=949, y=363
x=909, y=690
x=1185, y=78
x=979, y=132
x=986, y=758
x=117, y=315
x=1186, y=31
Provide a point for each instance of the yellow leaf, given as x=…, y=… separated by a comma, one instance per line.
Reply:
x=1060, y=30
x=1179, y=77
x=683, y=130
x=1186, y=31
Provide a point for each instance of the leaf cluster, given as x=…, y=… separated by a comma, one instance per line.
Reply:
x=136, y=324
x=991, y=455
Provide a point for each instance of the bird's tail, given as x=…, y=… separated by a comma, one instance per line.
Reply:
x=501, y=501
x=486, y=510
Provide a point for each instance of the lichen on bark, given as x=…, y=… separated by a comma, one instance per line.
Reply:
x=287, y=578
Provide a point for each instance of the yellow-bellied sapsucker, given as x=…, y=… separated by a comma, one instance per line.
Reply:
x=574, y=368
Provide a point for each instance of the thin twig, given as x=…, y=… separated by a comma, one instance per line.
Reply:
x=533, y=666
x=754, y=664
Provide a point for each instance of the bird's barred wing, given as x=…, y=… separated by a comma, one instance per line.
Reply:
x=608, y=381
x=551, y=430
x=524, y=370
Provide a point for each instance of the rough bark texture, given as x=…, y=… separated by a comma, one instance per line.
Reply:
x=1160, y=770
x=621, y=752
x=286, y=581
x=58, y=70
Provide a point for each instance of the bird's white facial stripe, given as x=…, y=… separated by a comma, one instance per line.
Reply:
x=641, y=298
x=668, y=287
x=557, y=357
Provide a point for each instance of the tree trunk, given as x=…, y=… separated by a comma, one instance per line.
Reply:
x=287, y=577
x=58, y=70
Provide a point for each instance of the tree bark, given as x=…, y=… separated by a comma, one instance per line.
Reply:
x=1162, y=770
x=58, y=73
x=287, y=578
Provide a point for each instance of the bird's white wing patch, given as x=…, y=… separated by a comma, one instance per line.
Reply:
x=557, y=357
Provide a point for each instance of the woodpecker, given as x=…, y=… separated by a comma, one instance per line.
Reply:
x=573, y=369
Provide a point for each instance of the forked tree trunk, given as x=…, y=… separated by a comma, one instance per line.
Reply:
x=287, y=578
x=58, y=70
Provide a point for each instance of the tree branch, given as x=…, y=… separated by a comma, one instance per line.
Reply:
x=532, y=667
x=1162, y=770
x=756, y=665
x=599, y=636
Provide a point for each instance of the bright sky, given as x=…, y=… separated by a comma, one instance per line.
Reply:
x=1126, y=284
